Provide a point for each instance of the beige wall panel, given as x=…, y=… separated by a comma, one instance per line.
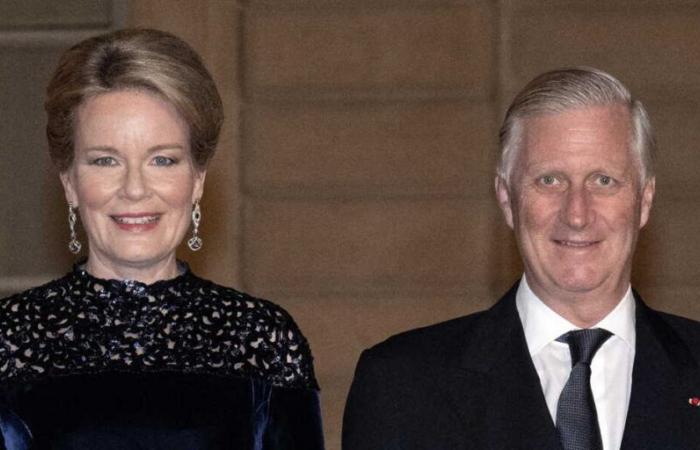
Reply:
x=653, y=49
x=65, y=13
x=356, y=4
x=360, y=246
x=677, y=126
x=667, y=254
x=504, y=265
x=442, y=148
x=339, y=328
x=34, y=232
x=334, y=393
x=608, y=5
x=186, y=18
x=365, y=49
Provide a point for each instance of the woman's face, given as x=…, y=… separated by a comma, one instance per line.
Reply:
x=133, y=180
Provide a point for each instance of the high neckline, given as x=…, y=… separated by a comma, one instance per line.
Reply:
x=184, y=273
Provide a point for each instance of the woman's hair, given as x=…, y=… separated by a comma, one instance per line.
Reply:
x=570, y=88
x=141, y=59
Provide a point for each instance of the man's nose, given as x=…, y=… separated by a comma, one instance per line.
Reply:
x=577, y=210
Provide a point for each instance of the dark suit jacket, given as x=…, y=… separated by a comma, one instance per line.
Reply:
x=470, y=384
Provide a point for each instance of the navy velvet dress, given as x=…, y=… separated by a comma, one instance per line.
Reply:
x=181, y=364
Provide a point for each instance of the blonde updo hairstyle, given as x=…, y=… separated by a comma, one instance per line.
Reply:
x=151, y=60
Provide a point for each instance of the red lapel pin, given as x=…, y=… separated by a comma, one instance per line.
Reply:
x=694, y=401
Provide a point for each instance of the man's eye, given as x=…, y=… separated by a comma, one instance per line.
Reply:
x=163, y=161
x=105, y=161
x=548, y=180
x=605, y=180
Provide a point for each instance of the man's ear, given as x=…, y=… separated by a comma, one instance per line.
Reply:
x=503, y=196
x=648, y=192
x=69, y=187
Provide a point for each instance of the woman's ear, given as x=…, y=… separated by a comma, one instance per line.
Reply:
x=68, y=182
x=198, y=188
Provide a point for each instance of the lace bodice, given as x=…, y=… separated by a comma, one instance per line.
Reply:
x=82, y=324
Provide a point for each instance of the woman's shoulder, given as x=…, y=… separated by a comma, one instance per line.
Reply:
x=228, y=296
x=27, y=298
x=188, y=324
x=258, y=311
x=264, y=332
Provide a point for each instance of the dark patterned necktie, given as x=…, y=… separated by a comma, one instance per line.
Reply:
x=577, y=420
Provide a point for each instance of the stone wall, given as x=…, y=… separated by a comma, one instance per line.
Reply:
x=353, y=184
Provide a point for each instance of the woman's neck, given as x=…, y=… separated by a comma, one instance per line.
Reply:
x=144, y=272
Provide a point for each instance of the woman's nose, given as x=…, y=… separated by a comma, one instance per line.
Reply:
x=135, y=183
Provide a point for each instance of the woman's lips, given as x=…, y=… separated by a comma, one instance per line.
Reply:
x=136, y=222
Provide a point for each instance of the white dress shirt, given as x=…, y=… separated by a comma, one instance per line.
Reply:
x=611, y=368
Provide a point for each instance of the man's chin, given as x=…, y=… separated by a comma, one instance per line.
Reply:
x=579, y=283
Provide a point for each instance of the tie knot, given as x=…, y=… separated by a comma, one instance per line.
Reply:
x=583, y=344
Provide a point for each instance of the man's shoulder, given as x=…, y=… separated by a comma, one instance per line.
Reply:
x=688, y=329
x=678, y=336
x=680, y=321
x=428, y=345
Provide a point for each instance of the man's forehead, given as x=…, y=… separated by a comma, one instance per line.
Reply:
x=604, y=124
x=579, y=115
x=598, y=132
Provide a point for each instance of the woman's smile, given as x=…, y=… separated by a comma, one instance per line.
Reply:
x=139, y=222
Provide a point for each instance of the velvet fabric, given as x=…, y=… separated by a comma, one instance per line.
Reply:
x=179, y=364
x=159, y=411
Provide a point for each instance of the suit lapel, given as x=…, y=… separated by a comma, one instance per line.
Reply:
x=659, y=415
x=495, y=368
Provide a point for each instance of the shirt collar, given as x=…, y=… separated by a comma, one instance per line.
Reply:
x=542, y=325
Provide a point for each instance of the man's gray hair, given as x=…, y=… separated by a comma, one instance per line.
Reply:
x=570, y=88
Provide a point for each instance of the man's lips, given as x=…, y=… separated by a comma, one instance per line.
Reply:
x=575, y=243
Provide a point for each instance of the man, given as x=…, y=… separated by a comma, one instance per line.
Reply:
x=571, y=357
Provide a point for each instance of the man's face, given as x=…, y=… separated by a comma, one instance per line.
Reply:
x=576, y=203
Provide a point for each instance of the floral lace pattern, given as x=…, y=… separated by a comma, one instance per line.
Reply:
x=82, y=324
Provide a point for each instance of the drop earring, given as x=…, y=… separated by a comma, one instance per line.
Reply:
x=195, y=242
x=74, y=244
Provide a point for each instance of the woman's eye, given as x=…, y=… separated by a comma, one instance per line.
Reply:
x=163, y=161
x=105, y=161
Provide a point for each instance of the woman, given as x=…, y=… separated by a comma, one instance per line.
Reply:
x=131, y=350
